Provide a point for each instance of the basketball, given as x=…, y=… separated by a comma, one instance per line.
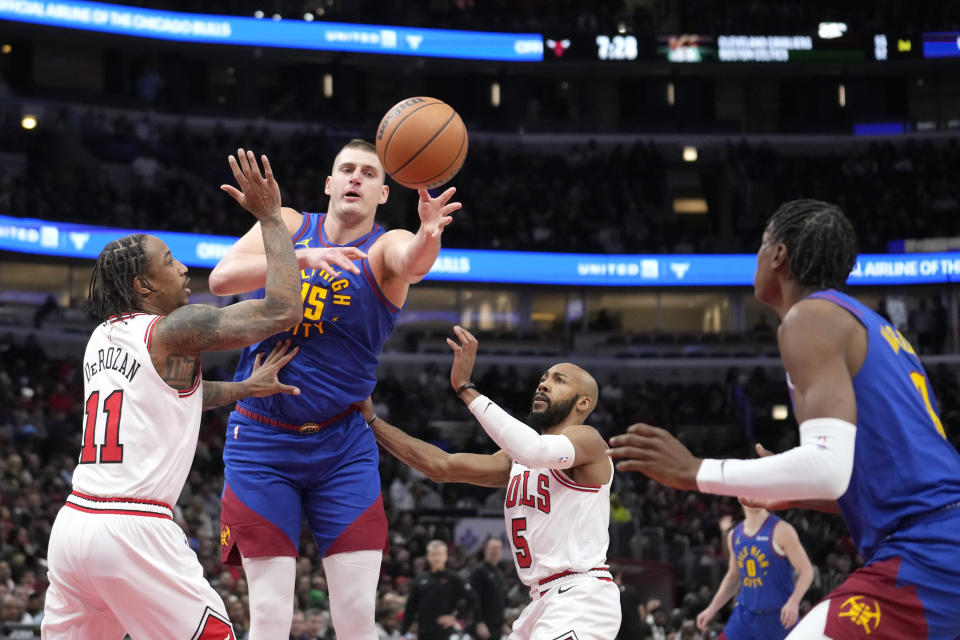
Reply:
x=421, y=142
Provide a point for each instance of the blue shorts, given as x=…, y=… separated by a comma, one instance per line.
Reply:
x=273, y=477
x=909, y=589
x=745, y=624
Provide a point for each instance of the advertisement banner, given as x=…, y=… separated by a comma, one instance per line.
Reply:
x=67, y=240
x=288, y=34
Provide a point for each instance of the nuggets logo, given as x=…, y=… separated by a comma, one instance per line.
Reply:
x=864, y=614
x=224, y=535
x=752, y=563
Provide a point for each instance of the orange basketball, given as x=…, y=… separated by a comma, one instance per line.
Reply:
x=422, y=142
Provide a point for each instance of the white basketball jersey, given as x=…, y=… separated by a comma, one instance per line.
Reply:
x=555, y=525
x=139, y=434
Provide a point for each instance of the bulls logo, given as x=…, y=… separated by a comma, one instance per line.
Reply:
x=861, y=612
x=214, y=626
x=559, y=47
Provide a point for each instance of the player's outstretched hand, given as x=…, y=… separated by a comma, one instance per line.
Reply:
x=326, y=258
x=655, y=453
x=464, y=355
x=435, y=212
x=258, y=193
x=263, y=379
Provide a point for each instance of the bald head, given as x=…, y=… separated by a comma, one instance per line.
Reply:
x=566, y=394
x=582, y=382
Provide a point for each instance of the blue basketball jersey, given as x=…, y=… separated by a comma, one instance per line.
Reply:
x=904, y=467
x=346, y=320
x=766, y=577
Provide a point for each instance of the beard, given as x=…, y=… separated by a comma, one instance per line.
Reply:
x=554, y=414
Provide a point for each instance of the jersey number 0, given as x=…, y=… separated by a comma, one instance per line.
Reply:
x=111, y=450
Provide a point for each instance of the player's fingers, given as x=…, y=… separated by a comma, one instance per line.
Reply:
x=424, y=194
x=469, y=336
x=278, y=348
x=287, y=357
x=628, y=451
x=354, y=254
x=242, y=162
x=267, y=169
x=257, y=361
x=453, y=345
x=450, y=208
x=639, y=443
x=232, y=192
x=445, y=221
x=622, y=440
x=348, y=265
x=632, y=465
x=289, y=389
x=235, y=169
x=446, y=195
x=644, y=429
x=254, y=167
x=762, y=451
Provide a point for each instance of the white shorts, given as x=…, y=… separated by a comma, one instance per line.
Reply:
x=576, y=607
x=127, y=572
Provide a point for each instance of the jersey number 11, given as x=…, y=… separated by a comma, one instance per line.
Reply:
x=111, y=450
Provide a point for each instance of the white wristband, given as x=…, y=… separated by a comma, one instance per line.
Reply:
x=819, y=469
x=524, y=445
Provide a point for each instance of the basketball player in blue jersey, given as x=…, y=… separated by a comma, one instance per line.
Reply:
x=872, y=446
x=315, y=455
x=764, y=553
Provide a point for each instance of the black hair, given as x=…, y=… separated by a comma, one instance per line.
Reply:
x=111, y=283
x=821, y=244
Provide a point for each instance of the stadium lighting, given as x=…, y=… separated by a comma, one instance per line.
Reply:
x=276, y=16
x=308, y=16
x=831, y=30
x=842, y=95
x=327, y=85
x=689, y=154
x=5, y=49
x=495, y=94
x=258, y=14
x=779, y=412
x=29, y=121
x=671, y=94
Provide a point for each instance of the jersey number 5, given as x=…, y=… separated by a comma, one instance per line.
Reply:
x=111, y=450
x=518, y=526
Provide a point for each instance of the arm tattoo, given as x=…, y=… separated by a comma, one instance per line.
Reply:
x=195, y=328
x=180, y=370
x=217, y=394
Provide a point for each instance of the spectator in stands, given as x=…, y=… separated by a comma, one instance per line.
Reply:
x=659, y=621
x=388, y=626
x=298, y=626
x=13, y=616
x=487, y=583
x=318, y=625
